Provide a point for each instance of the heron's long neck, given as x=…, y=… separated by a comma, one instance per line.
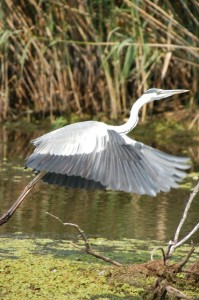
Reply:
x=133, y=119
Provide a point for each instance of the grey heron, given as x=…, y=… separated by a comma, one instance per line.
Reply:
x=93, y=155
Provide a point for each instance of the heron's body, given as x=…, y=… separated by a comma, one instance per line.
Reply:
x=96, y=155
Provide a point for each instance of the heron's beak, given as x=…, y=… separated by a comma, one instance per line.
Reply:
x=167, y=93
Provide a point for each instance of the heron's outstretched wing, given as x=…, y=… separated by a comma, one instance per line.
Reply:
x=89, y=155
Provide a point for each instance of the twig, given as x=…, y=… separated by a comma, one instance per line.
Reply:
x=6, y=216
x=88, y=249
x=81, y=232
x=176, y=293
x=195, y=191
x=174, y=246
x=186, y=259
x=163, y=253
x=175, y=243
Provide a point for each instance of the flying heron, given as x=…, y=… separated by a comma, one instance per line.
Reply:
x=93, y=155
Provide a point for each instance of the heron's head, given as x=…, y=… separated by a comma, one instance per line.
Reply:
x=158, y=94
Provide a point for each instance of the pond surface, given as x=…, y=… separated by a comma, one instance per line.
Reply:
x=113, y=215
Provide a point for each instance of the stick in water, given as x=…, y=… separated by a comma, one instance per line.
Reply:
x=6, y=216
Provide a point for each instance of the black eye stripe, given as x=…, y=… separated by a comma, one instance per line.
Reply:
x=150, y=91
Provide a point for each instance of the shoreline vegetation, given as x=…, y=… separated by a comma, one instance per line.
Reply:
x=63, y=57
x=31, y=266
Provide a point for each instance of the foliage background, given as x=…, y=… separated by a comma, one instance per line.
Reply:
x=59, y=57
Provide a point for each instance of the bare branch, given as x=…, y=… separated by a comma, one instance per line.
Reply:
x=81, y=232
x=195, y=191
x=176, y=293
x=6, y=216
x=172, y=245
x=162, y=250
x=186, y=259
x=88, y=249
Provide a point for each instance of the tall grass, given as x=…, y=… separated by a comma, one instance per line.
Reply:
x=63, y=56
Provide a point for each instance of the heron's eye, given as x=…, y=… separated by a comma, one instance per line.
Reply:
x=158, y=92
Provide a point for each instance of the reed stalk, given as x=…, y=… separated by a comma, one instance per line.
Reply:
x=94, y=56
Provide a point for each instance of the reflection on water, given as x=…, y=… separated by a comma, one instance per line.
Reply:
x=114, y=215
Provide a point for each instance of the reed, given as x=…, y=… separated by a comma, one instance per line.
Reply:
x=94, y=56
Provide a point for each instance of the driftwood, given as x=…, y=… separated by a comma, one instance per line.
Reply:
x=88, y=249
x=6, y=216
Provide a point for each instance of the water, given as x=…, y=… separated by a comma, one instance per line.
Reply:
x=113, y=215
